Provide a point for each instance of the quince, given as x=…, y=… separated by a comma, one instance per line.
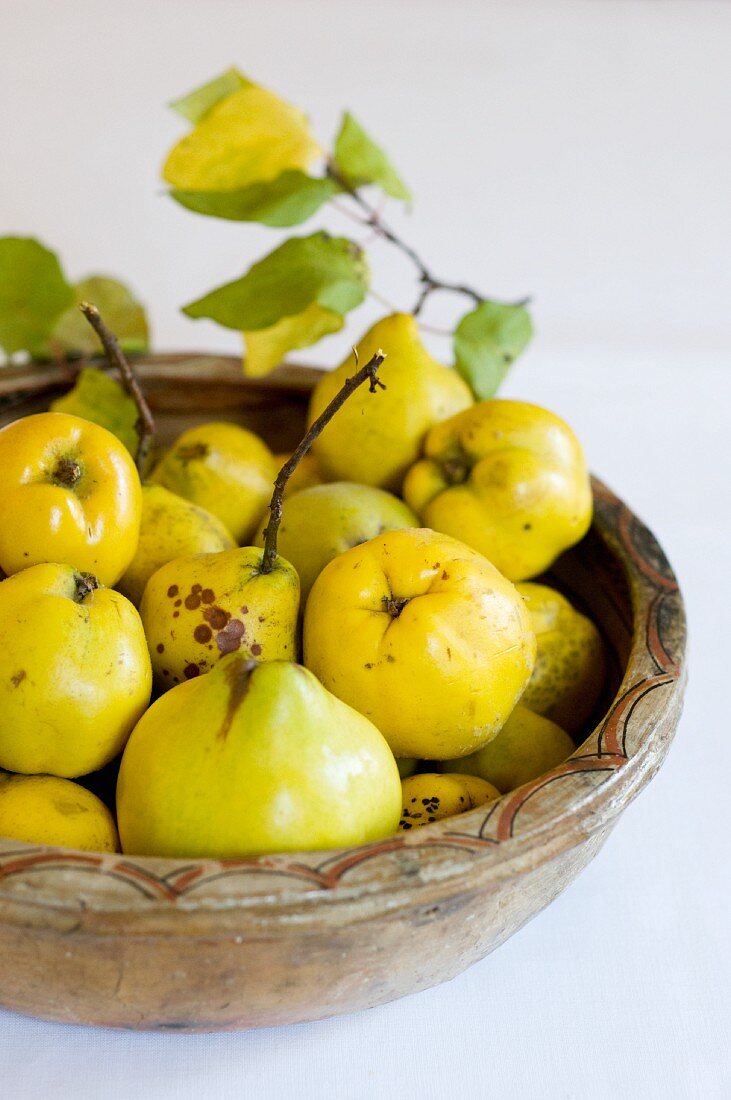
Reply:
x=252, y=759
x=570, y=666
x=526, y=747
x=74, y=671
x=69, y=494
x=326, y=520
x=509, y=479
x=374, y=440
x=171, y=528
x=425, y=637
x=223, y=468
x=430, y=797
x=43, y=809
x=197, y=609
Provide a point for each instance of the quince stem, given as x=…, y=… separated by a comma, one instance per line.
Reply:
x=368, y=374
x=145, y=425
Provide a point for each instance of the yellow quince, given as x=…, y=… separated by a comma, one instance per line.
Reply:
x=425, y=637
x=508, y=478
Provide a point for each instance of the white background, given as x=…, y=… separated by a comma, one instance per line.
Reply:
x=576, y=151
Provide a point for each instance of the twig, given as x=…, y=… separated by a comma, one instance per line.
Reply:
x=368, y=373
x=372, y=217
x=145, y=426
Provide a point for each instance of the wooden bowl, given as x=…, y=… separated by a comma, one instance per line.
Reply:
x=206, y=944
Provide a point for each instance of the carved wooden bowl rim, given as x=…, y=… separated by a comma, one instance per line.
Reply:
x=506, y=838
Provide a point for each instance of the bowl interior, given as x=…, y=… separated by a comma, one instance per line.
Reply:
x=604, y=576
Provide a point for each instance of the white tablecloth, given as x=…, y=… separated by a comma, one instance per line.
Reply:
x=574, y=150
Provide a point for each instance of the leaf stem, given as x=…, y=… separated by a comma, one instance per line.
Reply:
x=145, y=426
x=368, y=373
x=373, y=218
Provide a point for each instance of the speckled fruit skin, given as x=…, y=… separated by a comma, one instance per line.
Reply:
x=425, y=637
x=197, y=609
x=527, y=746
x=570, y=664
x=225, y=469
x=92, y=524
x=432, y=796
x=326, y=520
x=375, y=437
x=509, y=479
x=43, y=809
x=171, y=528
x=74, y=672
x=254, y=759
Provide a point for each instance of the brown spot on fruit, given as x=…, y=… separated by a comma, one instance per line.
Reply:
x=190, y=671
x=202, y=633
x=229, y=639
x=176, y=614
x=173, y=591
x=196, y=588
x=445, y=575
x=208, y=595
x=238, y=674
x=192, y=602
x=18, y=677
x=256, y=649
x=217, y=617
x=160, y=647
x=244, y=610
x=192, y=451
x=177, y=603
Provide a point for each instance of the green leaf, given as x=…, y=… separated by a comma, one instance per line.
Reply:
x=288, y=200
x=267, y=347
x=33, y=293
x=360, y=161
x=120, y=310
x=98, y=397
x=487, y=340
x=249, y=136
x=196, y=104
x=331, y=271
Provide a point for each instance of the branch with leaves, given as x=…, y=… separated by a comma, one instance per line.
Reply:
x=249, y=157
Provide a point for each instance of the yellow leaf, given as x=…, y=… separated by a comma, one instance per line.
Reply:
x=250, y=136
x=266, y=347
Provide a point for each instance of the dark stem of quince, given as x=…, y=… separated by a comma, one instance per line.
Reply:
x=429, y=282
x=145, y=426
x=368, y=374
x=86, y=583
x=67, y=472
